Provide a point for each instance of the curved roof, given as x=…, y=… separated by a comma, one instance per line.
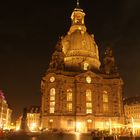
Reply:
x=79, y=47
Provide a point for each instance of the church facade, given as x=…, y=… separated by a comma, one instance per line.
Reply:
x=77, y=93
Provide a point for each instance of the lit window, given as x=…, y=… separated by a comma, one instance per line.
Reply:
x=52, y=104
x=88, y=79
x=52, y=100
x=105, y=91
x=86, y=65
x=89, y=105
x=105, y=97
x=69, y=107
x=89, y=121
x=52, y=91
x=69, y=95
x=51, y=109
x=52, y=94
x=88, y=95
x=105, y=101
x=88, y=101
x=105, y=107
x=88, y=111
x=51, y=120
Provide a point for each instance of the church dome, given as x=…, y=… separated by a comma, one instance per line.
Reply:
x=79, y=47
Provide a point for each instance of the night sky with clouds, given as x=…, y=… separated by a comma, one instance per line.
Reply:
x=29, y=32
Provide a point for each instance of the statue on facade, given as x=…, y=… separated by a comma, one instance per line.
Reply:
x=109, y=62
x=57, y=61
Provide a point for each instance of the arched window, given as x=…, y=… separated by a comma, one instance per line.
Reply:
x=52, y=94
x=105, y=101
x=52, y=100
x=86, y=65
x=52, y=91
x=88, y=101
x=105, y=97
x=88, y=95
x=50, y=123
x=69, y=95
x=69, y=100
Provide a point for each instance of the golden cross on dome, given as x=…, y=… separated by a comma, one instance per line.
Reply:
x=78, y=3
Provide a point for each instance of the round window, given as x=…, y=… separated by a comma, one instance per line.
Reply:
x=88, y=79
x=52, y=79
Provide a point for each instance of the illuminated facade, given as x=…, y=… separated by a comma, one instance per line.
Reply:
x=5, y=113
x=77, y=93
x=33, y=119
x=132, y=112
x=18, y=123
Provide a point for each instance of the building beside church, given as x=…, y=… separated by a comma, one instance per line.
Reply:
x=78, y=92
x=132, y=113
x=5, y=112
x=32, y=120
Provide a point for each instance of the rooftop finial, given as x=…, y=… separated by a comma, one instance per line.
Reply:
x=78, y=4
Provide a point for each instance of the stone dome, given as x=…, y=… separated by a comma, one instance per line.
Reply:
x=79, y=47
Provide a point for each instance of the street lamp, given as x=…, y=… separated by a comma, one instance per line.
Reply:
x=133, y=126
x=110, y=127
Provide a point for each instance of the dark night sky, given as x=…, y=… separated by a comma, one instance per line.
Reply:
x=29, y=32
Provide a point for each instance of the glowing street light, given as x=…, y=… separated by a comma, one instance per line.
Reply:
x=110, y=126
x=133, y=126
x=33, y=126
x=78, y=126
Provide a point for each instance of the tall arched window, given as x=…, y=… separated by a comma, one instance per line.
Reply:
x=105, y=101
x=52, y=91
x=69, y=95
x=52, y=100
x=88, y=101
x=69, y=100
x=88, y=95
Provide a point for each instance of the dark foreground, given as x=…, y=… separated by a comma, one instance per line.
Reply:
x=54, y=136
